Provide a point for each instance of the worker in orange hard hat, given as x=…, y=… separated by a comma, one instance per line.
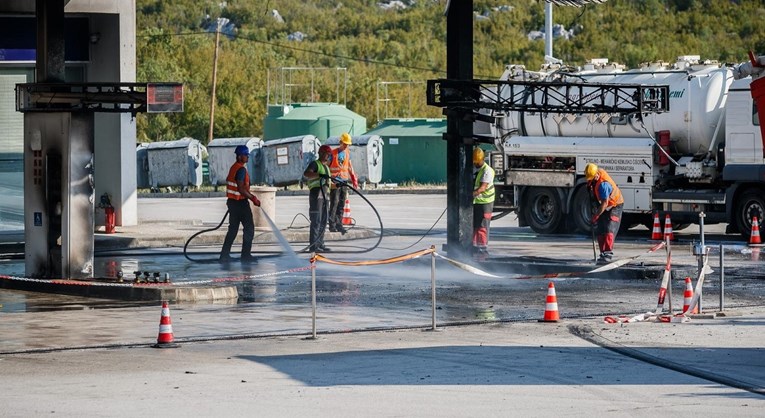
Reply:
x=607, y=215
x=483, y=203
x=317, y=174
x=341, y=170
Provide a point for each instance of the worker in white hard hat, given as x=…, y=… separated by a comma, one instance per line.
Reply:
x=341, y=170
x=483, y=203
x=607, y=216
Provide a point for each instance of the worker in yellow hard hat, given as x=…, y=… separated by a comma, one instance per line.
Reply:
x=340, y=169
x=607, y=217
x=483, y=203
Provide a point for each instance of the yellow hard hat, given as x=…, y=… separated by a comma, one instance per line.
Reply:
x=345, y=138
x=477, y=156
x=590, y=170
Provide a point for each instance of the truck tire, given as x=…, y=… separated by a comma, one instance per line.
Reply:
x=581, y=210
x=750, y=204
x=543, y=210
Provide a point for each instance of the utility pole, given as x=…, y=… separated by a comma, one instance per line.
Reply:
x=214, y=81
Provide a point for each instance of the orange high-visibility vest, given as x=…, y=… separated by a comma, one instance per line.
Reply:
x=615, y=198
x=232, y=189
x=337, y=170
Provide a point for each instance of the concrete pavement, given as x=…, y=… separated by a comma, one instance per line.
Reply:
x=74, y=357
x=703, y=368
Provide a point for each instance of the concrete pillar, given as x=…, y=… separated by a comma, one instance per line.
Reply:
x=50, y=41
x=459, y=132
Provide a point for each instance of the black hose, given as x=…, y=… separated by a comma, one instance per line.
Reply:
x=340, y=183
x=185, y=246
x=379, y=219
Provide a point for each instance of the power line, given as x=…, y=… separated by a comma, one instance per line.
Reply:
x=308, y=51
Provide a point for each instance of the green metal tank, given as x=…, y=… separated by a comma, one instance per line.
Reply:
x=414, y=150
x=321, y=120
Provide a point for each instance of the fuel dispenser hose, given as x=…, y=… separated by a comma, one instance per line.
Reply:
x=341, y=183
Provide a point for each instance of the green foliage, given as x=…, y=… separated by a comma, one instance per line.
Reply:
x=400, y=45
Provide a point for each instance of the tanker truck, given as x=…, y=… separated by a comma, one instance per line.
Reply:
x=702, y=152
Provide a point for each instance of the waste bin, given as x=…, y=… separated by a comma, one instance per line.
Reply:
x=142, y=165
x=267, y=197
x=366, y=156
x=221, y=156
x=284, y=160
x=175, y=163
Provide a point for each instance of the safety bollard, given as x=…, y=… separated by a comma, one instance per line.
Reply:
x=722, y=278
x=668, y=243
x=313, y=295
x=433, y=284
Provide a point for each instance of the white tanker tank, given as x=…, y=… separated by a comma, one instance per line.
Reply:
x=695, y=119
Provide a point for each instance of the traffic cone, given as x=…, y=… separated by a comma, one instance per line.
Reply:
x=688, y=296
x=347, y=213
x=754, y=238
x=165, y=338
x=656, y=234
x=551, y=305
x=668, y=228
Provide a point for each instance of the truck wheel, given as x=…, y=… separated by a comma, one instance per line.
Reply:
x=543, y=210
x=750, y=204
x=581, y=210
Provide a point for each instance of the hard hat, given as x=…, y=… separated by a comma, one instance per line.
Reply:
x=477, y=156
x=345, y=138
x=325, y=149
x=242, y=150
x=590, y=170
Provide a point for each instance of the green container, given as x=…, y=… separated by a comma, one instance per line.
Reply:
x=414, y=150
x=321, y=120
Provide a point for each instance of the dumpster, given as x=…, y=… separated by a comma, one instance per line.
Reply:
x=221, y=157
x=175, y=163
x=142, y=165
x=285, y=159
x=366, y=157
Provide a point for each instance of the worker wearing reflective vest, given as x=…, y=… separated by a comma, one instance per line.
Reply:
x=317, y=174
x=341, y=170
x=239, y=212
x=483, y=203
x=608, y=214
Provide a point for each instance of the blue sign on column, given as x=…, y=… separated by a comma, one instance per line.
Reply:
x=38, y=218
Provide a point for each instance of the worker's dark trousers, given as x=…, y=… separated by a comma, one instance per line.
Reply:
x=239, y=212
x=608, y=227
x=318, y=204
x=338, y=197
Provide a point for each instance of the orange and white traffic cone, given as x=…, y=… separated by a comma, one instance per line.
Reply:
x=165, y=338
x=551, y=305
x=754, y=238
x=656, y=233
x=688, y=296
x=347, y=220
x=668, y=228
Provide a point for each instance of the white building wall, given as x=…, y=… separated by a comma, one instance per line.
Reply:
x=112, y=59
